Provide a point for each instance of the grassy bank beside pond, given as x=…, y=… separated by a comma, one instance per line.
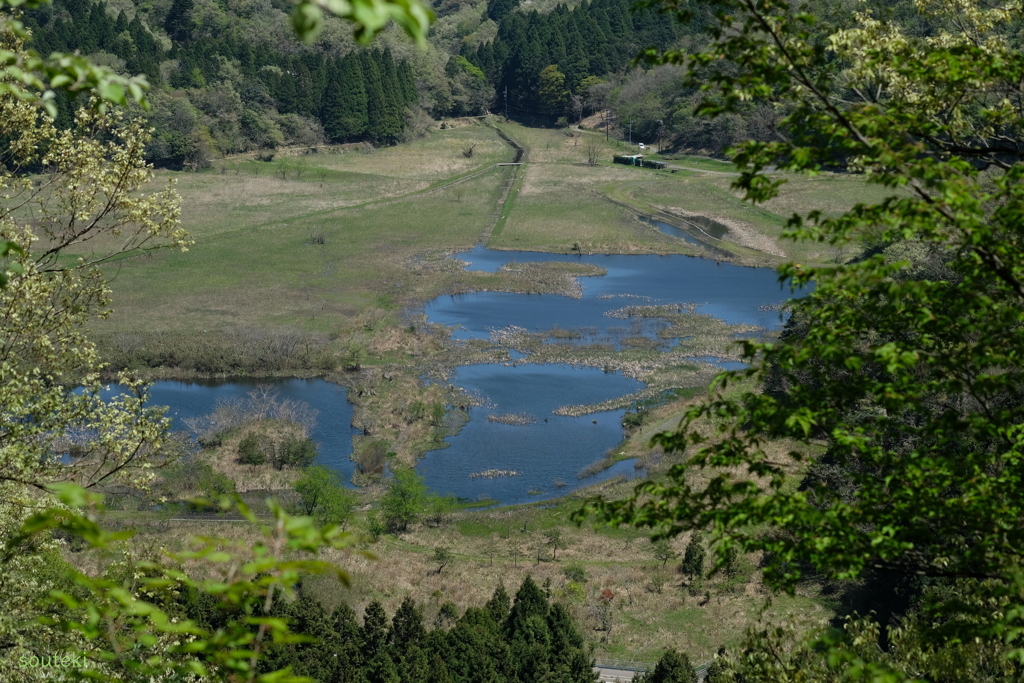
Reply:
x=563, y=202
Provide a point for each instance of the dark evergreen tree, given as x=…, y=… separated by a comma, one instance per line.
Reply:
x=100, y=27
x=528, y=634
x=497, y=9
x=412, y=663
x=331, y=106
x=314, y=659
x=673, y=667
x=530, y=601
x=564, y=636
x=345, y=628
x=498, y=605
x=345, y=645
x=383, y=122
x=408, y=85
x=407, y=625
x=576, y=65
x=146, y=53
x=477, y=650
x=375, y=630
x=286, y=93
x=121, y=24
x=692, y=565
x=439, y=671
x=352, y=106
x=382, y=669
x=394, y=99
x=178, y=23
x=246, y=57
x=307, y=95
x=484, y=59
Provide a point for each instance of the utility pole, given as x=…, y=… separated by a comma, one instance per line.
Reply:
x=630, y=130
x=506, y=103
x=661, y=124
x=606, y=125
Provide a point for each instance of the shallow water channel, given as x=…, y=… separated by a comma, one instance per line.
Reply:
x=544, y=456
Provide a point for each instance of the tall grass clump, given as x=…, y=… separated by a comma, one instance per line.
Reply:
x=241, y=350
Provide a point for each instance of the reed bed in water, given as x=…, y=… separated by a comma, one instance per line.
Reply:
x=494, y=474
x=610, y=404
x=663, y=311
x=559, y=277
x=520, y=419
x=513, y=337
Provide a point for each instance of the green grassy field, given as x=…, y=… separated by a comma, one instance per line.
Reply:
x=562, y=202
x=257, y=260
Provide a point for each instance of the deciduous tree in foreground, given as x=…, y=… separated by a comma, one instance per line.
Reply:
x=72, y=201
x=905, y=364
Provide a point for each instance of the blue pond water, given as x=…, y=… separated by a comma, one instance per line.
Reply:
x=333, y=429
x=551, y=449
x=732, y=293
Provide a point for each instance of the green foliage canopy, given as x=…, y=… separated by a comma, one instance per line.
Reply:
x=906, y=365
x=673, y=667
x=478, y=646
x=324, y=496
x=692, y=565
x=663, y=551
x=405, y=500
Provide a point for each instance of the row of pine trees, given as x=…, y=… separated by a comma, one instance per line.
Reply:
x=525, y=641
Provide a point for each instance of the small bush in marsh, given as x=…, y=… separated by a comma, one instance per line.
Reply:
x=252, y=449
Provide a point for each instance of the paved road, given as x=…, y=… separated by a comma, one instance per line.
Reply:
x=611, y=675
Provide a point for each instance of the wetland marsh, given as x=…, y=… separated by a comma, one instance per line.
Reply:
x=397, y=287
x=468, y=324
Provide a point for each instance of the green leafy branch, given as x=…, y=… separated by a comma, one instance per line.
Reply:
x=135, y=620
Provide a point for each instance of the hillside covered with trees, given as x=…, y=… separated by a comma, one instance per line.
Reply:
x=221, y=92
x=229, y=78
